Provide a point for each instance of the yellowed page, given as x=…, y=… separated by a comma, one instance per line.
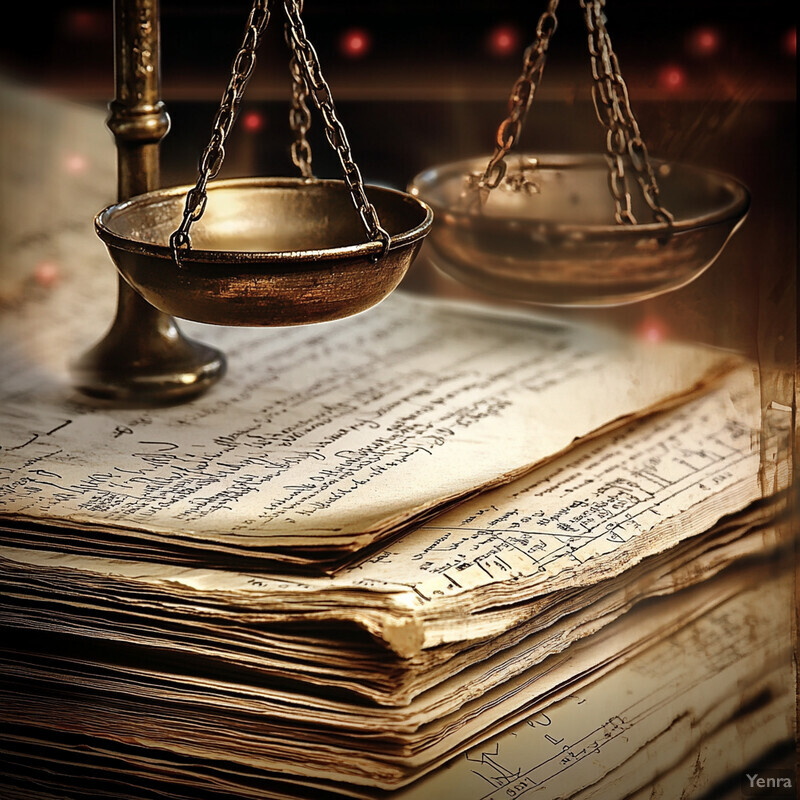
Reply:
x=627, y=495
x=646, y=716
x=392, y=753
x=330, y=436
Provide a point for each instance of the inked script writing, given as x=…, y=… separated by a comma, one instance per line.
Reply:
x=332, y=430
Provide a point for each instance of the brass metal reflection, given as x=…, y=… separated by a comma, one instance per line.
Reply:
x=144, y=358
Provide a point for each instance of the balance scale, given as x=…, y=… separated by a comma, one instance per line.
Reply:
x=564, y=230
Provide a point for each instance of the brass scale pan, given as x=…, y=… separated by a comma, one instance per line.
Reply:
x=562, y=246
x=267, y=251
x=278, y=251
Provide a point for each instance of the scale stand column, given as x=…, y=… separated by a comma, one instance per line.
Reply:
x=144, y=358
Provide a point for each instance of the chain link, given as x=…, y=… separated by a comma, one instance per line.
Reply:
x=319, y=90
x=299, y=114
x=613, y=108
x=519, y=103
x=307, y=79
x=211, y=160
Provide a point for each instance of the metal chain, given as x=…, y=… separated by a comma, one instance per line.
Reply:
x=613, y=108
x=214, y=154
x=299, y=114
x=334, y=132
x=522, y=95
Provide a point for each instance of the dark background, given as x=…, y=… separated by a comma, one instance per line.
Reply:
x=440, y=44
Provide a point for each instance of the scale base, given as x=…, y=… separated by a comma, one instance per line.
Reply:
x=144, y=359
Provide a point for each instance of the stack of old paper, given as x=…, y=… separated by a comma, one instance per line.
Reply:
x=364, y=681
x=702, y=674
x=429, y=532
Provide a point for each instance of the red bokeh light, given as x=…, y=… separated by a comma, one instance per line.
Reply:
x=652, y=329
x=75, y=163
x=704, y=41
x=355, y=43
x=86, y=24
x=253, y=121
x=46, y=274
x=503, y=40
x=672, y=78
x=790, y=42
